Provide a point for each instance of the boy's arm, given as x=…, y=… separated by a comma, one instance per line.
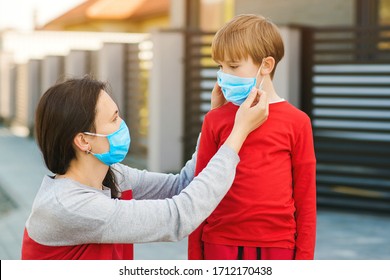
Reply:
x=207, y=148
x=304, y=184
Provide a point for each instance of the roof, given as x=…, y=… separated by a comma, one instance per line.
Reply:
x=125, y=9
x=109, y=10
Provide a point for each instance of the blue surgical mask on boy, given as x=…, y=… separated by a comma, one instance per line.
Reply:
x=119, y=145
x=236, y=89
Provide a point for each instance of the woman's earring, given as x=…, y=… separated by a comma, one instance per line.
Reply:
x=88, y=151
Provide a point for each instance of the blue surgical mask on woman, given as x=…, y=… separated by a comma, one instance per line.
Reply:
x=119, y=145
x=236, y=89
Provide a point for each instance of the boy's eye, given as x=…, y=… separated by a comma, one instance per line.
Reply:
x=233, y=66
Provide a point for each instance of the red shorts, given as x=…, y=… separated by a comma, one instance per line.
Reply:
x=226, y=252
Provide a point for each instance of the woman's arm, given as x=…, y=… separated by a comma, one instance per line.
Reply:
x=153, y=185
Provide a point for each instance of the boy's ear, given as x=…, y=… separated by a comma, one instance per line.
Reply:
x=268, y=65
x=81, y=143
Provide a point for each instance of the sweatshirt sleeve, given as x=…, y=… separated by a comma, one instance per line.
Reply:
x=154, y=185
x=81, y=216
x=207, y=148
x=304, y=192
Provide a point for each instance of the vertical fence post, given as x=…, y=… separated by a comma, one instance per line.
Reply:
x=110, y=68
x=287, y=75
x=21, y=96
x=137, y=69
x=166, y=102
x=76, y=63
x=307, y=61
x=33, y=91
x=52, y=70
x=6, y=96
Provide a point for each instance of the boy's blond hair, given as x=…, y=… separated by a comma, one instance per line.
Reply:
x=248, y=36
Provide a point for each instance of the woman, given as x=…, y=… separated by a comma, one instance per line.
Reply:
x=85, y=210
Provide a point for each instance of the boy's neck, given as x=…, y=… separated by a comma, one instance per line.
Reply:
x=272, y=95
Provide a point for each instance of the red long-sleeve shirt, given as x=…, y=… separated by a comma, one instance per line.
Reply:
x=272, y=202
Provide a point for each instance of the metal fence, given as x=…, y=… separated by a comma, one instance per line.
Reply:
x=137, y=70
x=346, y=92
x=200, y=76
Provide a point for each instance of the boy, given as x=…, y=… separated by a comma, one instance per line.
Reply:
x=270, y=211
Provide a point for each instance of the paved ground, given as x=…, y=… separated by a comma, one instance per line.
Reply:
x=340, y=235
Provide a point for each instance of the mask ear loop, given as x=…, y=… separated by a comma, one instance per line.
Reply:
x=89, y=151
x=260, y=86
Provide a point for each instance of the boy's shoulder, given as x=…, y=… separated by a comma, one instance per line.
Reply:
x=226, y=110
x=292, y=112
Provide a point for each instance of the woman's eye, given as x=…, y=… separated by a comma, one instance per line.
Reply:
x=233, y=66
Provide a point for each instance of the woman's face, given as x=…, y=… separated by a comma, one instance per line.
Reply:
x=107, y=121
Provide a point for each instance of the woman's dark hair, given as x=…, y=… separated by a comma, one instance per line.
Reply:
x=65, y=109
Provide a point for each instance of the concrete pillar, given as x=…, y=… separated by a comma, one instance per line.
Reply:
x=177, y=14
x=76, y=64
x=27, y=94
x=6, y=95
x=93, y=64
x=287, y=75
x=166, y=101
x=52, y=71
x=21, y=96
x=33, y=90
x=110, y=68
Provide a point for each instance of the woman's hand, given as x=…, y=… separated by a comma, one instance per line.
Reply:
x=251, y=114
x=217, y=98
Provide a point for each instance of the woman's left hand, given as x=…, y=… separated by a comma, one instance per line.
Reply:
x=217, y=97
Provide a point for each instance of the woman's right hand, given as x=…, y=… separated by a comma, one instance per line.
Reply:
x=251, y=114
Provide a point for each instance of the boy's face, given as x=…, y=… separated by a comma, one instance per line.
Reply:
x=241, y=68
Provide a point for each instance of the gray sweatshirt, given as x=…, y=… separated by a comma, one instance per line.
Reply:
x=165, y=207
